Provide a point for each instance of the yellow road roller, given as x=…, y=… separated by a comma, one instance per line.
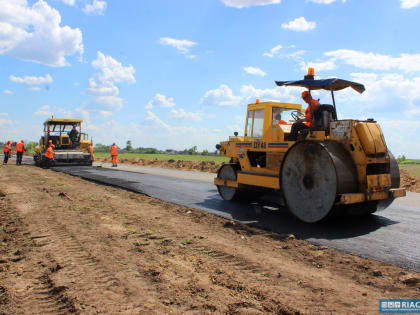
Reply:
x=334, y=165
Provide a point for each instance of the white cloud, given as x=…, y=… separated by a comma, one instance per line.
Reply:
x=34, y=89
x=102, y=85
x=102, y=88
x=182, y=114
x=110, y=101
x=3, y=114
x=222, y=96
x=388, y=94
x=96, y=7
x=299, y=25
x=255, y=71
x=408, y=4
x=105, y=113
x=31, y=80
x=8, y=92
x=34, y=33
x=113, y=70
x=360, y=59
x=318, y=66
x=273, y=51
x=5, y=122
x=248, y=3
x=69, y=2
x=182, y=45
x=47, y=110
x=161, y=101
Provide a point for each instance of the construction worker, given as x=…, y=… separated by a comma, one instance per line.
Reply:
x=7, y=151
x=74, y=137
x=49, y=155
x=50, y=143
x=308, y=121
x=91, y=151
x=114, y=155
x=20, y=148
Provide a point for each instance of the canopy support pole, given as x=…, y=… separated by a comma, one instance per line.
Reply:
x=333, y=99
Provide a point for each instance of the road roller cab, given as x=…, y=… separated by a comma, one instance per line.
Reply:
x=337, y=165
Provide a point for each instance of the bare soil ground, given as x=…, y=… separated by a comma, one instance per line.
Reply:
x=409, y=182
x=72, y=246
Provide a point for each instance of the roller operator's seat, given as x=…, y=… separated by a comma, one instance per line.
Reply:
x=323, y=116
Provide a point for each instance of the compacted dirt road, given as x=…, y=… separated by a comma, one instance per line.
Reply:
x=72, y=246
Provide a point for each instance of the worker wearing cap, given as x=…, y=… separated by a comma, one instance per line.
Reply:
x=308, y=121
x=49, y=155
x=114, y=155
x=50, y=143
x=91, y=151
x=20, y=148
x=7, y=151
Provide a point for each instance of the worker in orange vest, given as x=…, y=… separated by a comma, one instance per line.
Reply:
x=308, y=121
x=114, y=155
x=7, y=151
x=49, y=156
x=20, y=148
x=92, y=153
x=50, y=143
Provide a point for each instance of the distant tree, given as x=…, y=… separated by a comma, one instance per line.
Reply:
x=102, y=148
x=129, y=147
x=31, y=146
x=401, y=158
x=205, y=152
x=192, y=151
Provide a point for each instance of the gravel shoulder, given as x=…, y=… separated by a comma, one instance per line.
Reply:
x=73, y=246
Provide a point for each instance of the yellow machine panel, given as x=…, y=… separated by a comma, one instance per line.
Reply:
x=371, y=138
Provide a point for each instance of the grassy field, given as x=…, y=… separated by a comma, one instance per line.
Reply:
x=167, y=157
x=413, y=169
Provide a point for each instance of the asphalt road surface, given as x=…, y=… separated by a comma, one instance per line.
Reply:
x=392, y=235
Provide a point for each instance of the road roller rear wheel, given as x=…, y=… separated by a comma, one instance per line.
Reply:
x=227, y=171
x=312, y=175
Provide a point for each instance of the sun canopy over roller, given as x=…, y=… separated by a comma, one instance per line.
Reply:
x=332, y=85
x=325, y=84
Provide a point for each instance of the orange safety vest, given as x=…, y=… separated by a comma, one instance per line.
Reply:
x=49, y=154
x=114, y=150
x=20, y=147
x=91, y=149
x=314, y=105
x=7, y=148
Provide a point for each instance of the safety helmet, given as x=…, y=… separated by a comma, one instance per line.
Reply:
x=305, y=94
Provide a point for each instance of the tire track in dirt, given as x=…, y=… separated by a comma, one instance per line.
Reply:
x=30, y=290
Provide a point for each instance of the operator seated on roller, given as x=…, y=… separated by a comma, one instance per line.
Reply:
x=307, y=122
x=74, y=137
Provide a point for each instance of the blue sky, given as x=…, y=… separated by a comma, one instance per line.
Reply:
x=173, y=74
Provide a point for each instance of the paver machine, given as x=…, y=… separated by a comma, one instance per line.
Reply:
x=337, y=165
x=70, y=147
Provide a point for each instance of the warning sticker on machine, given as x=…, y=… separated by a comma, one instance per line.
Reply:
x=341, y=129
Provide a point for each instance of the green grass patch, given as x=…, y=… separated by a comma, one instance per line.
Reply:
x=409, y=162
x=412, y=169
x=167, y=157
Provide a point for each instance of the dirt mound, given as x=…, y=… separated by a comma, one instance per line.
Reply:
x=199, y=166
x=409, y=182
